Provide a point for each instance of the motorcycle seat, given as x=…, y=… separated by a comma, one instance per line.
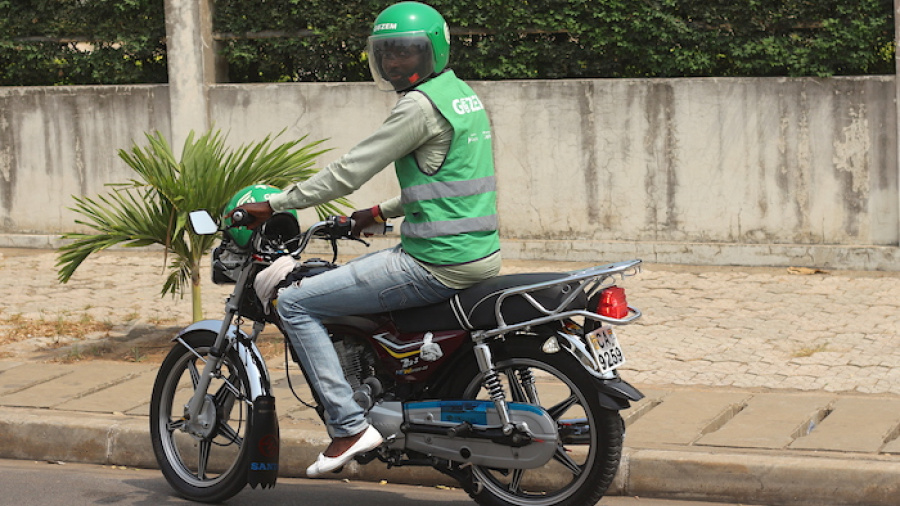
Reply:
x=474, y=307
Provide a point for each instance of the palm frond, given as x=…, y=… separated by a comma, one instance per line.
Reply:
x=153, y=207
x=126, y=216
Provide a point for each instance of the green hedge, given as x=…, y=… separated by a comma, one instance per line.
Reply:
x=40, y=42
x=323, y=40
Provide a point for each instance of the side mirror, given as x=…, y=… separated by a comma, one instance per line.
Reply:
x=202, y=223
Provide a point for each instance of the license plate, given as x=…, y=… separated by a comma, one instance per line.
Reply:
x=606, y=349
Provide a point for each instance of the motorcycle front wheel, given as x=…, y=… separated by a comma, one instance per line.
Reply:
x=591, y=437
x=205, y=461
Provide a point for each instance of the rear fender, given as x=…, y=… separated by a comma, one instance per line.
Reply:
x=617, y=394
x=614, y=392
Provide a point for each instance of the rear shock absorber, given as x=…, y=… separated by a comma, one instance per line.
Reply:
x=493, y=385
x=526, y=379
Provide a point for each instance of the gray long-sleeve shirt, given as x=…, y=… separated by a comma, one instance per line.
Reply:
x=414, y=126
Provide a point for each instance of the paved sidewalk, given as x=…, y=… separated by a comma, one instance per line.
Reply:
x=763, y=386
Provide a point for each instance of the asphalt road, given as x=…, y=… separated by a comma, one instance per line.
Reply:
x=29, y=483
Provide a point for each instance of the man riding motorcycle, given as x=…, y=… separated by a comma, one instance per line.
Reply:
x=439, y=139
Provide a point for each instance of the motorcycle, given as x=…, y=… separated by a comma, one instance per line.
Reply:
x=510, y=387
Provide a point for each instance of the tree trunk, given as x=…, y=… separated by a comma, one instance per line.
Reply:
x=196, y=298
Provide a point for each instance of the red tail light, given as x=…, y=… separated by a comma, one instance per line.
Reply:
x=613, y=303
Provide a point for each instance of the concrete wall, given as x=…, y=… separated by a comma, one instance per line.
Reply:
x=720, y=171
x=63, y=141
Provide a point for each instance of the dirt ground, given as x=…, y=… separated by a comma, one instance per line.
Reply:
x=110, y=310
x=76, y=342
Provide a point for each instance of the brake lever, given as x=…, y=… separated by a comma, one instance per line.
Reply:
x=359, y=239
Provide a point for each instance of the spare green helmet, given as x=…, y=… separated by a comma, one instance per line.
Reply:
x=256, y=193
x=403, y=30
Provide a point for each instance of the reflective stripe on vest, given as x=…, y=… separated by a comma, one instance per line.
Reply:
x=448, y=189
x=430, y=229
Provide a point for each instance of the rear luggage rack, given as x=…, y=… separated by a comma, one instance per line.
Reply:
x=588, y=282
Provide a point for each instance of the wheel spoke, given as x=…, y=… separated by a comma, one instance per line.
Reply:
x=230, y=382
x=515, y=484
x=203, y=458
x=195, y=374
x=563, y=458
x=174, y=425
x=229, y=433
x=557, y=411
x=225, y=396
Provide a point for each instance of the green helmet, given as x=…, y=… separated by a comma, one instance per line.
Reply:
x=410, y=42
x=256, y=193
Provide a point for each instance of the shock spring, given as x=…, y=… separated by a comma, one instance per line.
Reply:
x=492, y=383
x=526, y=379
x=493, y=386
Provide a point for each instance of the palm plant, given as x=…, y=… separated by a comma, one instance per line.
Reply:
x=153, y=209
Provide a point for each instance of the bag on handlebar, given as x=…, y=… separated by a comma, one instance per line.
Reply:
x=283, y=273
x=227, y=260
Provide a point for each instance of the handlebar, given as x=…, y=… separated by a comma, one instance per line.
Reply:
x=333, y=228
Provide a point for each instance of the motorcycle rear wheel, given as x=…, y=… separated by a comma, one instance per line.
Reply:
x=591, y=437
x=211, y=467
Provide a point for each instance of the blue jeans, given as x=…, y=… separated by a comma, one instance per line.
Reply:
x=386, y=280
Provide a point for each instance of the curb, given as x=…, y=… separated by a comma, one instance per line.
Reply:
x=729, y=476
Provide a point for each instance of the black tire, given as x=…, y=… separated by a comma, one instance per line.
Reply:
x=591, y=436
x=213, y=467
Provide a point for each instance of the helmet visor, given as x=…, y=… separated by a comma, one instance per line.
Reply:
x=399, y=62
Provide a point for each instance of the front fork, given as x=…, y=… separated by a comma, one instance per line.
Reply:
x=195, y=410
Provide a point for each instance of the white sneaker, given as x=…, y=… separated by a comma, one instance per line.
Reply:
x=370, y=440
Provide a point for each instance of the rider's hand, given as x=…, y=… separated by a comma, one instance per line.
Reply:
x=262, y=211
x=363, y=219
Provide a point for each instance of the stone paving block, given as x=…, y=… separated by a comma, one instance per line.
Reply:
x=28, y=375
x=856, y=424
x=6, y=365
x=652, y=398
x=142, y=410
x=80, y=381
x=684, y=416
x=892, y=447
x=118, y=398
x=770, y=421
x=282, y=390
x=289, y=408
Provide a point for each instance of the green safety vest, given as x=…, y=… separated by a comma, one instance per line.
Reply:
x=451, y=215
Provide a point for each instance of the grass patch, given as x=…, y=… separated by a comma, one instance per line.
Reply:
x=808, y=351
x=15, y=328
x=76, y=353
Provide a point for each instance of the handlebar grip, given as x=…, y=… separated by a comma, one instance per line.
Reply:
x=378, y=229
x=240, y=218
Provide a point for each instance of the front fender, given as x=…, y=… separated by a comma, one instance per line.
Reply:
x=209, y=325
x=247, y=352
